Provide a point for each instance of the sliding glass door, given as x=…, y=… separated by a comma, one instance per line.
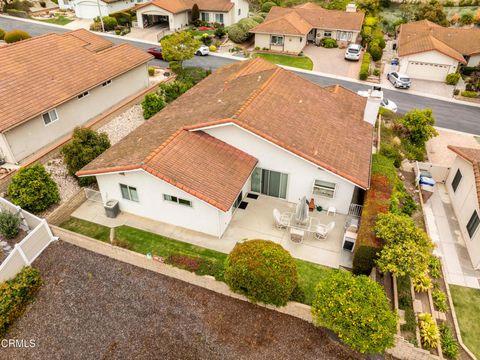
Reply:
x=271, y=183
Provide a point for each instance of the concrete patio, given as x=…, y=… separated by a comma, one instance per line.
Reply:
x=255, y=222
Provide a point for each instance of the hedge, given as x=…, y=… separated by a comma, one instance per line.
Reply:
x=17, y=13
x=365, y=66
x=16, y=35
x=15, y=294
x=452, y=79
x=267, y=6
x=237, y=34
x=470, y=94
x=263, y=271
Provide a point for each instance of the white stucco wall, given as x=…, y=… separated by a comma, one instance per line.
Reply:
x=465, y=201
x=301, y=174
x=176, y=21
x=88, y=9
x=227, y=16
x=34, y=134
x=291, y=44
x=474, y=60
x=429, y=57
x=240, y=10
x=200, y=216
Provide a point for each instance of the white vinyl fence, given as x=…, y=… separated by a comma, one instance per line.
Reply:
x=38, y=237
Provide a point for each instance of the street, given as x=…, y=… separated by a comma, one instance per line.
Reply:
x=448, y=115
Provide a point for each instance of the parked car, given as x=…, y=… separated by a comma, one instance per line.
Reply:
x=399, y=80
x=203, y=50
x=377, y=92
x=389, y=105
x=156, y=51
x=353, y=52
x=395, y=61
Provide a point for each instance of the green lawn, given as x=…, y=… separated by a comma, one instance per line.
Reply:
x=301, y=62
x=200, y=33
x=467, y=308
x=61, y=20
x=145, y=242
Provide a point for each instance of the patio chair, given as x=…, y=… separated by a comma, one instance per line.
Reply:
x=281, y=220
x=322, y=231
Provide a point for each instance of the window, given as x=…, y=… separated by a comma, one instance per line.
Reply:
x=50, y=116
x=177, y=200
x=327, y=33
x=276, y=40
x=219, y=18
x=106, y=83
x=324, y=188
x=344, y=35
x=239, y=11
x=86, y=93
x=205, y=16
x=129, y=192
x=456, y=180
x=473, y=224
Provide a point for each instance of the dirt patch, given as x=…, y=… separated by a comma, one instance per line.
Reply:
x=7, y=245
x=93, y=307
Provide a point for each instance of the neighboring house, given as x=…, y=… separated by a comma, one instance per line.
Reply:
x=176, y=14
x=429, y=51
x=289, y=29
x=249, y=127
x=51, y=83
x=89, y=9
x=463, y=184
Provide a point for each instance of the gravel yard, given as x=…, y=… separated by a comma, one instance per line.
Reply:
x=93, y=307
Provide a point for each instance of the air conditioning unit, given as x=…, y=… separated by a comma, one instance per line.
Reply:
x=349, y=239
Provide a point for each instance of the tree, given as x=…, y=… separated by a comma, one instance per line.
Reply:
x=432, y=11
x=420, y=126
x=369, y=6
x=152, y=104
x=85, y=146
x=261, y=270
x=357, y=310
x=179, y=46
x=195, y=13
x=33, y=189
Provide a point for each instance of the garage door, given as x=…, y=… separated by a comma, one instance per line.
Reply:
x=87, y=10
x=427, y=71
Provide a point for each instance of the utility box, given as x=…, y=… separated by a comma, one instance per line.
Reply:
x=111, y=208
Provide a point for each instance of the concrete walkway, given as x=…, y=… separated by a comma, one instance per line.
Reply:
x=445, y=232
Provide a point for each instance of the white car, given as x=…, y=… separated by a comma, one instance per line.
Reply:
x=378, y=93
x=389, y=105
x=353, y=52
x=203, y=50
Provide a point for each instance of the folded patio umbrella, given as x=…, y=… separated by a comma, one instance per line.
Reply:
x=301, y=212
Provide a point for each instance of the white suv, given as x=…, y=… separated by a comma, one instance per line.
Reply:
x=353, y=52
x=203, y=50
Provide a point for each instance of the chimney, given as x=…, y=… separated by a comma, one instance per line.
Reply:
x=374, y=99
x=351, y=8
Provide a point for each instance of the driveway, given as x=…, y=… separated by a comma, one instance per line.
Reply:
x=94, y=307
x=331, y=61
x=153, y=33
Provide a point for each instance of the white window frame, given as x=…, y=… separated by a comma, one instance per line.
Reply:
x=84, y=94
x=205, y=16
x=277, y=37
x=106, y=83
x=129, y=191
x=177, y=200
x=343, y=35
x=219, y=15
x=324, y=190
x=49, y=114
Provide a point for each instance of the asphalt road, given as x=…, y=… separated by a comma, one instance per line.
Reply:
x=448, y=115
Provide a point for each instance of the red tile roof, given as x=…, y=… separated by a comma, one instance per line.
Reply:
x=301, y=19
x=425, y=35
x=40, y=73
x=323, y=126
x=473, y=157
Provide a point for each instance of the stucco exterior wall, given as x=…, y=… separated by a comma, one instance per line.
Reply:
x=240, y=10
x=474, y=60
x=200, y=216
x=228, y=18
x=176, y=21
x=465, y=201
x=31, y=136
x=88, y=9
x=433, y=57
x=301, y=174
x=291, y=44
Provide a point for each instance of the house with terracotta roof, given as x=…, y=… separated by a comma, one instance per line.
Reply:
x=463, y=185
x=250, y=127
x=52, y=83
x=290, y=29
x=429, y=51
x=176, y=14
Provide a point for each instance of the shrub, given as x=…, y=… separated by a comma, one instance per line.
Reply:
x=391, y=152
x=452, y=79
x=152, y=104
x=449, y=344
x=466, y=93
x=151, y=71
x=15, y=35
x=17, y=13
x=15, y=295
x=435, y=267
x=220, y=32
x=440, y=300
x=467, y=17
x=86, y=145
x=18, y=5
x=237, y=34
x=196, y=265
x=173, y=90
x=329, y=43
x=246, y=24
x=357, y=310
x=422, y=283
x=2, y=34
x=267, y=6
x=175, y=66
x=375, y=51
x=298, y=295
x=9, y=224
x=33, y=189
x=420, y=126
x=364, y=68
x=123, y=18
x=364, y=260
x=370, y=21
x=192, y=75
x=109, y=22
x=212, y=48
x=206, y=39
x=96, y=26
x=258, y=19
x=261, y=270
x=468, y=70
x=429, y=334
